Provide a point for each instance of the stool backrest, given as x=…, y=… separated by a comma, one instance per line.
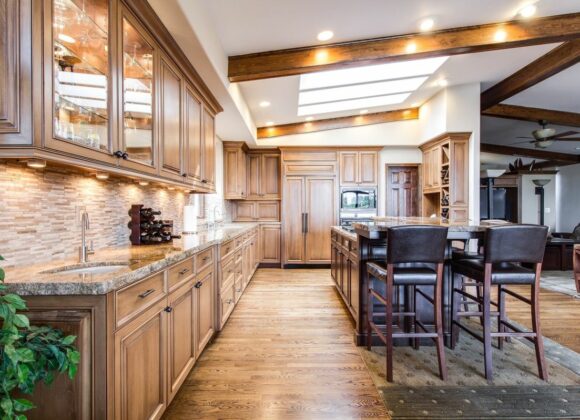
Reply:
x=515, y=243
x=416, y=244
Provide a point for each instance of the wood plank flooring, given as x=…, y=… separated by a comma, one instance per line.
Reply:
x=287, y=352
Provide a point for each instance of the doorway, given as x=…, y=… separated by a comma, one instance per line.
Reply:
x=402, y=198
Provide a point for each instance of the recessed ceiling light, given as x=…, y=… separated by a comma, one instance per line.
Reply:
x=527, y=11
x=411, y=47
x=342, y=93
x=36, y=163
x=442, y=82
x=353, y=104
x=309, y=118
x=264, y=104
x=66, y=38
x=363, y=111
x=426, y=24
x=270, y=123
x=366, y=74
x=500, y=35
x=325, y=35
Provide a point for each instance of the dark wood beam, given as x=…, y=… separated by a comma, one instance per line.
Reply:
x=530, y=153
x=560, y=58
x=463, y=40
x=524, y=113
x=335, y=123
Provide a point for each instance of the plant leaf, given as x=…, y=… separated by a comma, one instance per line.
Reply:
x=21, y=321
x=7, y=407
x=22, y=404
x=15, y=300
x=2, y=274
x=68, y=340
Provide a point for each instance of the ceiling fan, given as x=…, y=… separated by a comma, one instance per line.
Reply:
x=545, y=137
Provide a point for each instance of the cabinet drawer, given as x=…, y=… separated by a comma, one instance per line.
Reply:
x=226, y=248
x=239, y=287
x=180, y=272
x=135, y=298
x=204, y=259
x=238, y=257
x=239, y=241
x=228, y=271
x=310, y=169
x=227, y=303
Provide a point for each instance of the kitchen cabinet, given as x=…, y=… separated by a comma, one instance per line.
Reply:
x=263, y=176
x=116, y=94
x=205, y=308
x=358, y=168
x=270, y=244
x=235, y=170
x=345, y=270
x=263, y=211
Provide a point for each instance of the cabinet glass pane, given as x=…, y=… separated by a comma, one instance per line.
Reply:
x=81, y=72
x=137, y=95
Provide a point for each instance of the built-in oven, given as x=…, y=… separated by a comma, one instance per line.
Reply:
x=357, y=205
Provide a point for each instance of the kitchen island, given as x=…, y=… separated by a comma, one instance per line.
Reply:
x=372, y=246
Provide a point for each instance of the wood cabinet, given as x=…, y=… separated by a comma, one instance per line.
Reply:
x=235, y=170
x=263, y=176
x=205, y=309
x=129, y=102
x=263, y=211
x=358, y=167
x=270, y=244
x=345, y=270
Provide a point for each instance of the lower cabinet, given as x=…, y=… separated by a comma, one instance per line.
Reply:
x=344, y=270
x=205, y=309
x=269, y=241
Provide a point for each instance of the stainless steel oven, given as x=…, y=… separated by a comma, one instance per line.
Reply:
x=353, y=199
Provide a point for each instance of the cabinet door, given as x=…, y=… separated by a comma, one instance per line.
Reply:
x=270, y=243
x=367, y=168
x=181, y=321
x=268, y=211
x=254, y=176
x=245, y=211
x=139, y=116
x=348, y=168
x=170, y=124
x=140, y=360
x=436, y=167
x=293, y=211
x=193, y=146
x=208, y=149
x=354, y=286
x=205, y=297
x=270, y=176
x=79, y=94
x=234, y=174
x=320, y=208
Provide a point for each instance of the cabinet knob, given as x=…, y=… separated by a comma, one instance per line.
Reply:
x=168, y=309
x=198, y=285
x=184, y=175
x=204, y=181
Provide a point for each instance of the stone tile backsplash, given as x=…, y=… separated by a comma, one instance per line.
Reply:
x=39, y=208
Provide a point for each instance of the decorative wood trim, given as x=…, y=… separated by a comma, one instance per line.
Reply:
x=10, y=67
x=523, y=113
x=531, y=153
x=558, y=59
x=445, y=136
x=336, y=123
x=147, y=15
x=462, y=40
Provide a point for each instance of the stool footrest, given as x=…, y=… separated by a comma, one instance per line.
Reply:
x=516, y=295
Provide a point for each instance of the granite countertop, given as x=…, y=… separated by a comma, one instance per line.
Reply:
x=137, y=261
x=384, y=223
x=350, y=235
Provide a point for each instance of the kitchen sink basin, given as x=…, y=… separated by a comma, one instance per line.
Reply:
x=90, y=268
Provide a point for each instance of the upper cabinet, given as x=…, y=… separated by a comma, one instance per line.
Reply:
x=358, y=167
x=116, y=91
x=235, y=170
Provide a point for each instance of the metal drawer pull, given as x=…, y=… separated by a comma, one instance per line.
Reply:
x=198, y=284
x=146, y=293
x=182, y=272
x=230, y=301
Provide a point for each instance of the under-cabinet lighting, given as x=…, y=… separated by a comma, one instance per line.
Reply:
x=36, y=163
x=143, y=183
x=102, y=175
x=353, y=104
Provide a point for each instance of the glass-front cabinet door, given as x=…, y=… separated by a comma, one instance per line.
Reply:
x=79, y=86
x=139, y=63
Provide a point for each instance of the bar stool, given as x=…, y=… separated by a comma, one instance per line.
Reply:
x=505, y=248
x=415, y=257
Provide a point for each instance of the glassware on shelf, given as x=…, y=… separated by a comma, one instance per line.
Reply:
x=81, y=72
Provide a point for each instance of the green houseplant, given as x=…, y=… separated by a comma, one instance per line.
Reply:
x=28, y=355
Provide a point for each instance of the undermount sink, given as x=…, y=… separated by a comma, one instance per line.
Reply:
x=91, y=268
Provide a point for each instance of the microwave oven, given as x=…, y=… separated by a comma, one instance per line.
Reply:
x=353, y=199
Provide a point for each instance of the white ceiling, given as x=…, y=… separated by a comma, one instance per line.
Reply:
x=247, y=26
x=487, y=68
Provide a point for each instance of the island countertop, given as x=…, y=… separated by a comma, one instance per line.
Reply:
x=137, y=261
x=382, y=224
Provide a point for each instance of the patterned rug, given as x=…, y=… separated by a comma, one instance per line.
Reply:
x=514, y=366
x=559, y=281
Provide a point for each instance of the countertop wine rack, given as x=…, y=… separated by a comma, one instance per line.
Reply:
x=147, y=227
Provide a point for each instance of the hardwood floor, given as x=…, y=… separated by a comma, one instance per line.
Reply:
x=287, y=352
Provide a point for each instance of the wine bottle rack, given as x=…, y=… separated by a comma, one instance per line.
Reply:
x=147, y=227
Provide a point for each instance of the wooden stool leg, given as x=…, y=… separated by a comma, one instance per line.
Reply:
x=487, y=349
x=479, y=306
x=501, y=304
x=438, y=292
x=539, y=341
x=389, y=323
x=454, y=310
x=415, y=318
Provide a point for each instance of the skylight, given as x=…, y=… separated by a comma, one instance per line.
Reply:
x=363, y=87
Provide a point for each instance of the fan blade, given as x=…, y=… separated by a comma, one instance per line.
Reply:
x=564, y=134
x=524, y=137
x=568, y=139
x=526, y=142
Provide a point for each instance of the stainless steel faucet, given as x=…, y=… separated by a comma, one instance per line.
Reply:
x=84, y=250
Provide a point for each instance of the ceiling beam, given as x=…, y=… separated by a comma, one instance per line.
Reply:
x=530, y=153
x=524, y=113
x=560, y=58
x=463, y=40
x=335, y=123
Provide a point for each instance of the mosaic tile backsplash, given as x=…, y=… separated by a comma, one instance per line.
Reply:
x=39, y=208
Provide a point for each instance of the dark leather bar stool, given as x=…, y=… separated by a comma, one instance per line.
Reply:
x=415, y=257
x=505, y=249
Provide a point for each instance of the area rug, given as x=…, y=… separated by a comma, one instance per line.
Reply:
x=513, y=367
x=559, y=281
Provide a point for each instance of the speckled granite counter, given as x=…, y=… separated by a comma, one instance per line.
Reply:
x=342, y=231
x=384, y=223
x=137, y=261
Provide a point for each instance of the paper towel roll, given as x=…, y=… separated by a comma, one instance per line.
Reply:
x=189, y=219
